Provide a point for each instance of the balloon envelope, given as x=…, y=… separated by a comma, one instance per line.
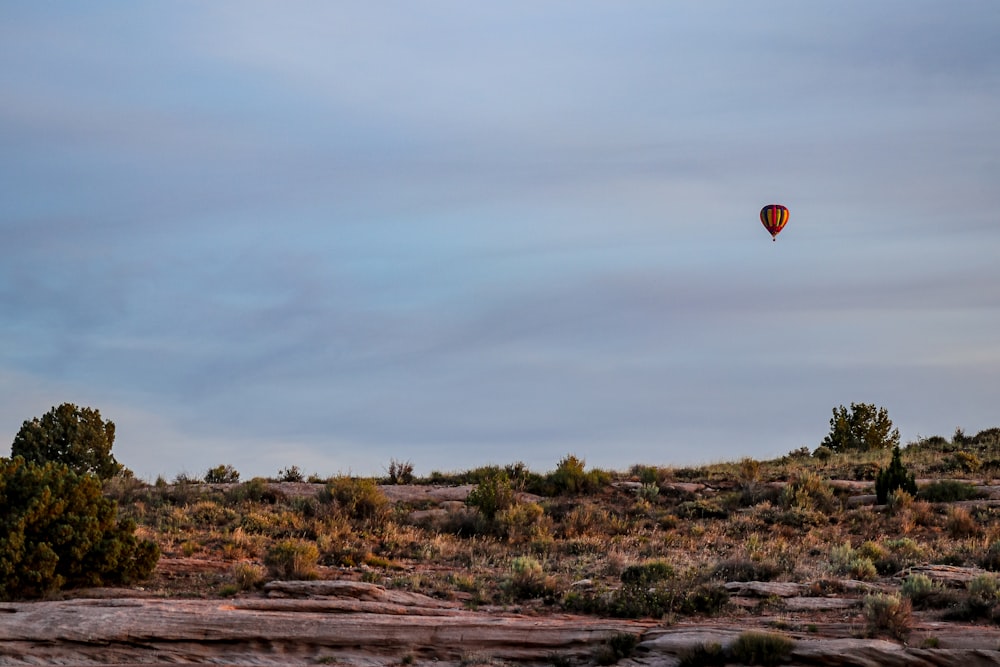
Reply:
x=774, y=217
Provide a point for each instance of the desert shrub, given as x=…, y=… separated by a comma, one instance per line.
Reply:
x=618, y=647
x=948, y=491
x=647, y=574
x=257, y=490
x=647, y=492
x=918, y=588
x=702, y=509
x=528, y=579
x=492, y=494
x=960, y=523
x=570, y=478
x=522, y=522
x=888, y=614
x=744, y=569
x=844, y=560
x=761, y=648
x=704, y=654
x=991, y=559
x=358, y=499
x=863, y=427
x=985, y=586
x=210, y=514
x=584, y=519
x=894, y=476
x=810, y=492
x=292, y=559
x=222, y=474
x=248, y=575
x=59, y=531
x=707, y=599
x=400, y=472
x=291, y=474
x=963, y=461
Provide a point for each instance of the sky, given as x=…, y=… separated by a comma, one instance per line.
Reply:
x=337, y=235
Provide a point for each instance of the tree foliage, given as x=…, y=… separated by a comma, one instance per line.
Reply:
x=58, y=531
x=76, y=437
x=863, y=427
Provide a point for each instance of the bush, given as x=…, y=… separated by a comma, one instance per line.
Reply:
x=358, y=499
x=742, y=569
x=293, y=559
x=570, y=478
x=248, y=575
x=761, y=648
x=708, y=599
x=948, y=491
x=493, y=494
x=400, y=472
x=59, y=531
x=291, y=474
x=75, y=437
x=861, y=428
x=894, y=477
x=647, y=574
x=918, y=588
x=222, y=474
x=888, y=614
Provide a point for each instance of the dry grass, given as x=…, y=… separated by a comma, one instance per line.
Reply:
x=781, y=520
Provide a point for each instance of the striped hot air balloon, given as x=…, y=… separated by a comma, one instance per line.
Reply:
x=774, y=217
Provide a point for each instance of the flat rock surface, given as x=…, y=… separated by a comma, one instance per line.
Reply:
x=365, y=625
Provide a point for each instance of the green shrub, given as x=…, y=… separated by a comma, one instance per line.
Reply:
x=707, y=599
x=918, y=588
x=647, y=574
x=493, y=494
x=571, y=478
x=291, y=474
x=59, y=531
x=744, y=569
x=948, y=491
x=222, y=474
x=761, y=648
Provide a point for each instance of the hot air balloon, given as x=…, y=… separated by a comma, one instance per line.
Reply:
x=774, y=217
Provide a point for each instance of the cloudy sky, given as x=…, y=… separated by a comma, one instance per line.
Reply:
x=336, y=234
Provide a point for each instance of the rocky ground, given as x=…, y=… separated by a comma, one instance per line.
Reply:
x=346, y=622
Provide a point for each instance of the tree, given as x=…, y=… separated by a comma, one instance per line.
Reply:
x=894, y=477
x=862, y=428
x=76, y=437
x=222, y=474
x=58, y=530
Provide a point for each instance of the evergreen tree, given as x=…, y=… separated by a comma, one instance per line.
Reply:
x=894, y=477
x=76, y=437
x=862, y=428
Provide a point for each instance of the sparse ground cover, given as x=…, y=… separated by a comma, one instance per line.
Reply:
x=667, y=543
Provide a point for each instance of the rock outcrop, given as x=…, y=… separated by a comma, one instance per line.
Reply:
x=359, y=624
